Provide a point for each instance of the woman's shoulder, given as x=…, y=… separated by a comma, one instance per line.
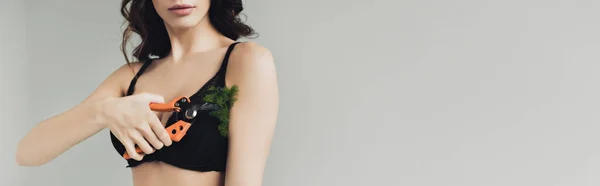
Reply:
x=250, y=55
x=252, y=49
x=124, y=74
x=129, y=69
x=250, y=59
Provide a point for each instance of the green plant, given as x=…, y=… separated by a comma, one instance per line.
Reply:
x=224, y=98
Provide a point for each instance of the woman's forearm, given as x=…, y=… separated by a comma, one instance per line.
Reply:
x=57, y=134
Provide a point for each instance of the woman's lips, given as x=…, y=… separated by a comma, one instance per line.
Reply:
x=182, y=9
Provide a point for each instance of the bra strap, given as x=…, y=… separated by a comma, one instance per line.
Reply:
x=223, y=68
x=137, y=75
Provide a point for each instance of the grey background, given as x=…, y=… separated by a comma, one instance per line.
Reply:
x=411, y=92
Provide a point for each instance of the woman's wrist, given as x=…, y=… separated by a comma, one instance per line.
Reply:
x=98, y=108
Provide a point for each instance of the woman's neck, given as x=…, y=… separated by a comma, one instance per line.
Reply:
x=200, y=38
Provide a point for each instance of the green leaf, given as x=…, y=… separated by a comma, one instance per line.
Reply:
x=223, y=97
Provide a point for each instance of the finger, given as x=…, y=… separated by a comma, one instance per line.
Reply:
x=159, y=130
x=153, y=98
x=130, y=148
x=142, y=143
x=151, y=137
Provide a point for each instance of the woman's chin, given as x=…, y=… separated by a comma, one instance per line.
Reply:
x=182, y=23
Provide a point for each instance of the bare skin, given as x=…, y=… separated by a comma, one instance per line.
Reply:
x=197, y=52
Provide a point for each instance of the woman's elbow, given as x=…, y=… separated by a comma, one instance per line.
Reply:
x=27, y=159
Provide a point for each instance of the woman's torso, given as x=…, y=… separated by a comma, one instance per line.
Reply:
x=172, y=80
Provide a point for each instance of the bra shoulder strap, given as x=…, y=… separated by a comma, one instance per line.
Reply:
x=137, y=75
x=223, y=69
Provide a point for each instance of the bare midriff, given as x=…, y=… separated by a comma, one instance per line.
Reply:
x=161, y=174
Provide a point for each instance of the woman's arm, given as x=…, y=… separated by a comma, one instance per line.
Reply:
x=55, y=135
x=253, y=115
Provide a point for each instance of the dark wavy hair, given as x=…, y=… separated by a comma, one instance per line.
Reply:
x=142, y=19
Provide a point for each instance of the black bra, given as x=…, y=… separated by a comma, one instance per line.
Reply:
x=203, y=148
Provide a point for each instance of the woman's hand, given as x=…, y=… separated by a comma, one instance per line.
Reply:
x=133, y=123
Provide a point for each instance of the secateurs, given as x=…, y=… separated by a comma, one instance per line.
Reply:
x=184, y=112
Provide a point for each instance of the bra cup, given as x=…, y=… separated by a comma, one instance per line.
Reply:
x=202, y=147
x=185, y=150
x=117, y=144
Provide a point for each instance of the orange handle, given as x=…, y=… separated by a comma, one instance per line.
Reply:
x=137, y=150
x=176, y=133
x=178, y=130
x=167, y=107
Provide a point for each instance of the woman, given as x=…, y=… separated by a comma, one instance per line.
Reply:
x=195, y=49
